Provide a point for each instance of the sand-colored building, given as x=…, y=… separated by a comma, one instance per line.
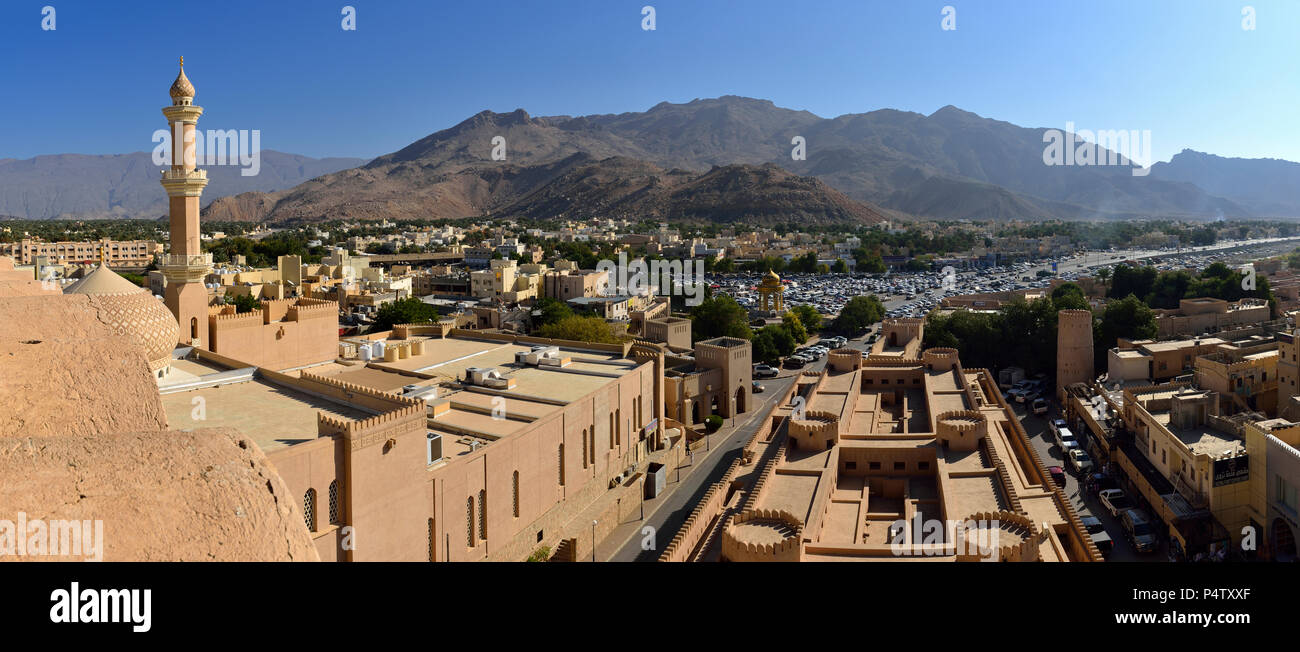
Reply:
x=717, y=380
x=114, y=253
x=284, y=334
x=507, y=281
x=566, y=282
x=1187, y=461
x=1205, y=314
x=899, y=455
x=502, y=442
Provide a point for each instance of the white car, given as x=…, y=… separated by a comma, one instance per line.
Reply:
x=1079, y=461
x=1066, y=440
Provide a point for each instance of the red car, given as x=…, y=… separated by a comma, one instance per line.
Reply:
x=1058, y=474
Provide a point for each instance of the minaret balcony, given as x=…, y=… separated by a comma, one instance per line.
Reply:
x=184, y=175
x=181, y=268
x=184, y=183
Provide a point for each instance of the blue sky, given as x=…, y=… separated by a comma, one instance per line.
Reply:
x=1184, y=69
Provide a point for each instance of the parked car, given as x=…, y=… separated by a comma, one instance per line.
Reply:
x=1039, y=406
x=758, y=387
x=410, y=388
x=1058, y=475
x=1100, y=537
x=1056, y=425
x=1078, y=460
x=795, y=362
x=1066, y=441
x=765, y=371
x=1137, y=526
x=1115, y=501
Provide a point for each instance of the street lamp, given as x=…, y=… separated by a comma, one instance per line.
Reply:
x=593, y=540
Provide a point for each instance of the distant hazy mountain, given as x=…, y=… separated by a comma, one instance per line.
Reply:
x=1265, y=186
x=950, y=164
x=126, y=185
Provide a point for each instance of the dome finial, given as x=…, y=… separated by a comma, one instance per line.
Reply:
x=182, y=88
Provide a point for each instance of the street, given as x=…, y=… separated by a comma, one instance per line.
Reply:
x=667, y=512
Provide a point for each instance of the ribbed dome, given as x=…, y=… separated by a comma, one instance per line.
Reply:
x=182, y=86
x=132, y=311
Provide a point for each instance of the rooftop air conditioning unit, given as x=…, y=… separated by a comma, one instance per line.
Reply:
x=488, y=377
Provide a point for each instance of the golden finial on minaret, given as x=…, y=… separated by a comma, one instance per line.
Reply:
x=182, y=62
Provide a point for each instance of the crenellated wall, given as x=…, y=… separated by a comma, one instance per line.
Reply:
x=738, y=544
x=962, y=429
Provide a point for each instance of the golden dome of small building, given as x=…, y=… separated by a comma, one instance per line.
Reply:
x=771, y=293
x=132, y=311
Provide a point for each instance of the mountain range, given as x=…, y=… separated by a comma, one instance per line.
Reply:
x=126, y=185
x=721, y=159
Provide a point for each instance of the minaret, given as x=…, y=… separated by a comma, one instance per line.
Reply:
x=186, y=265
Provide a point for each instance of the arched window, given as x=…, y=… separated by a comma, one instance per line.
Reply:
x=194, y=328
x=611, y=429
x=309, y=509
x=584, y=448
x=516, y=492
x=469, y=521
x=482, y=514
x=618, y=427
x=334, y=503
x=561, y=465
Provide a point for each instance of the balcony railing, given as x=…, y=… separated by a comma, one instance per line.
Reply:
x=182, y=260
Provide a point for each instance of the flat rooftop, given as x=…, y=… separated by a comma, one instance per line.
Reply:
x=273, y=417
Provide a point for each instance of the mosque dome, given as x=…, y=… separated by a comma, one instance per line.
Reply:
x=182, y=88
x=771, y=278
x=132, y=311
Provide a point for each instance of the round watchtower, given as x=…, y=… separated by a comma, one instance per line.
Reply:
x=1073, y=348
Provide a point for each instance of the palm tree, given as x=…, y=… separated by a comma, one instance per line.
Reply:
x=1103, y=275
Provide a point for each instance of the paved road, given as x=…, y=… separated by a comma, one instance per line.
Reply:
x=667, y=513
x=1040, y=435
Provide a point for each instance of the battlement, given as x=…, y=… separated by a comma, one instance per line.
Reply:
x=962, y=429
x=844, y=359
x=940, y=359
x=763, y=535
x=815, y=430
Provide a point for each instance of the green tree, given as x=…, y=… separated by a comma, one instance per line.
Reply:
x=581, y=328
x=869, y=262
x=1127, y=318
x=858, y=314
x=246, y=303
x=809, y=317
x=764, y=349
x=552, y=309
x=840, y=267
x=1168, y=289
x=781, y=339
x=719, y=316
x=790, y=322
x=1128, y=280
x=403, y=311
